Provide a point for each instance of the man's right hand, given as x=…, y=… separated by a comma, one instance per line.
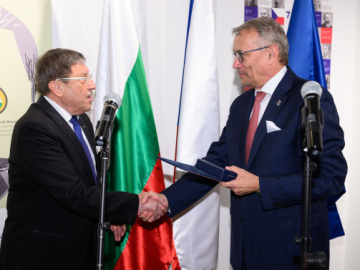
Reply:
x=152, y=206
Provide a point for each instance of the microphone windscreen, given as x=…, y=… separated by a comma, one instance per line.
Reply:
x=113, y=97
x=311, y=87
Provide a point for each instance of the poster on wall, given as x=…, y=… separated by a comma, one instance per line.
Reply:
x=324, y=19
x=24, y=31
x=280, y=11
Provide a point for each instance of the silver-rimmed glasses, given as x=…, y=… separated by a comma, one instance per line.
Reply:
x=81, y=79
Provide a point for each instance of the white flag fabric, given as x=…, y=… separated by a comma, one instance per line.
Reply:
x=112, y=75
x=196, y=232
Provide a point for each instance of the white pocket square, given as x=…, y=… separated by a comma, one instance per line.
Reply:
x=271, y=127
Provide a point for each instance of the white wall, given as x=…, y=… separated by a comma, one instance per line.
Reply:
x=344, y=80
x=161, y=25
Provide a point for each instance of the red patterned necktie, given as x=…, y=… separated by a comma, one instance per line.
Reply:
x=253, y=123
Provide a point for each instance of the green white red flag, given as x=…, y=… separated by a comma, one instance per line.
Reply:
x=134, y=144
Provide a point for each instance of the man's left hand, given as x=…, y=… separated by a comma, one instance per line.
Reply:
x=244, y=183
x=119, y=231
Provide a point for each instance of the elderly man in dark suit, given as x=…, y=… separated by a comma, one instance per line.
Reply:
x=263, y=143
x=54, y=195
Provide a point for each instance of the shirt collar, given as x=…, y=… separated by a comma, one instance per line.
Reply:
x=65, y=114
x=270, y=86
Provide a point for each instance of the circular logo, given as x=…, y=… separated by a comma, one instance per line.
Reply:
x=3, y=100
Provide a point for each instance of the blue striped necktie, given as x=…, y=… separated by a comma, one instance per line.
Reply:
x=78, y=132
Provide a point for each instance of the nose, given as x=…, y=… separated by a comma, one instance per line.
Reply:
x=236, y=63
x=91, y=84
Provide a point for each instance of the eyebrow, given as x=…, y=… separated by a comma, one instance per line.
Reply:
x=83, y=74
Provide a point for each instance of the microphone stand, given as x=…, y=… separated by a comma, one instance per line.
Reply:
x=101, y=225
x=308, y=260
x=103, y=142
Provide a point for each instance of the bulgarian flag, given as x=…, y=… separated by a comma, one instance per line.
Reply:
x=134, y=146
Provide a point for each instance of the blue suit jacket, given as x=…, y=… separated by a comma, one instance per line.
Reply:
x=264, y=225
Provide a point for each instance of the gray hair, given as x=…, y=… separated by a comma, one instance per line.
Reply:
x=271, y=33
x=55, y=64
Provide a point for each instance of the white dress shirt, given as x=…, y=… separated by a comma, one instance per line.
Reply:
x=269, y=88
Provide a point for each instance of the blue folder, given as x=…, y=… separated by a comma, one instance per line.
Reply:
x=204, y=168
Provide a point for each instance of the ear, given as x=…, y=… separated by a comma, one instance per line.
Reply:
x=55, y=88
x=273, y=53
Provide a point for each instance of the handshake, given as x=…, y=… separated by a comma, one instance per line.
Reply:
x=152, y=206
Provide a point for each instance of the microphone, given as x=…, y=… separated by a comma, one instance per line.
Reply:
x=112, y=102
x=312, y=117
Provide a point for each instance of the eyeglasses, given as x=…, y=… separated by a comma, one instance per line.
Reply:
x=239, y=54
x=83, y=80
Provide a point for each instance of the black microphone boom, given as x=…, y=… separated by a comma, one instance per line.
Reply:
x=112, y=102
x=312, y=117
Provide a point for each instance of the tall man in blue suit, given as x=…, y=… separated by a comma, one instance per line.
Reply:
x=266, y=198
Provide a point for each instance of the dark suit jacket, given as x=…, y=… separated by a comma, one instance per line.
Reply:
x=52, y=202
x=265, y=224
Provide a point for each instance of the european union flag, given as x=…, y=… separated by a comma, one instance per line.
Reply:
x=305, y=59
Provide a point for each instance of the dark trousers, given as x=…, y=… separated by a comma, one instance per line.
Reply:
x=243, y=266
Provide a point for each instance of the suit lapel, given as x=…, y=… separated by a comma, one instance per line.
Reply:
x=88, y=130
x=64, y=126
x=276, y=103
